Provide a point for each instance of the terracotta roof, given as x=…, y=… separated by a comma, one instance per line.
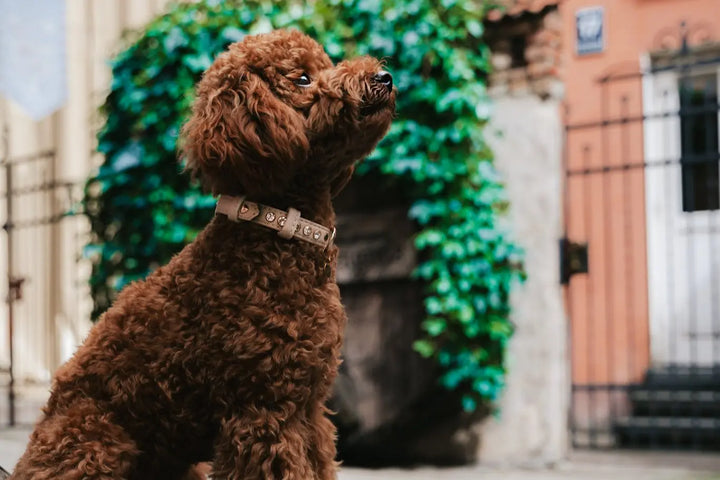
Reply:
x=512, y=8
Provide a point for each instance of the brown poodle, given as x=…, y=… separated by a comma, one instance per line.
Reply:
x=228, y=353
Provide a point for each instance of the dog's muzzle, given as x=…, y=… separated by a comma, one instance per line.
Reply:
x=384, y=78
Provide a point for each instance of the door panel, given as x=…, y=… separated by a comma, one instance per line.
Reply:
x=682, y=200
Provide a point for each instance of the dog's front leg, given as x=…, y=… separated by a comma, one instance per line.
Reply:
x=264, y=444
x=80, y=443
x=322, y=447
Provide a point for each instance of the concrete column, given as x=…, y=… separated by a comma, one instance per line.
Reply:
x=532, y=427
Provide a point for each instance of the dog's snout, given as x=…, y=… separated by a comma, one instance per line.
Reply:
x=384, y=78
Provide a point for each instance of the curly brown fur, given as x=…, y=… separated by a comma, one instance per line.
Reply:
x=228, y=352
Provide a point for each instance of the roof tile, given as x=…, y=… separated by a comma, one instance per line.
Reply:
x=517, y=7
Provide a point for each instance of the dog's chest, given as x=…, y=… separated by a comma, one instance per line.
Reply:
x=287, y=311
x=318, y=316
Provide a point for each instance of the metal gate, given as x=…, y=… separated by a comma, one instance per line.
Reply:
x=642, y=213
x=42, y=284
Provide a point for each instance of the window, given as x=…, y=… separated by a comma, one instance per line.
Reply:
x=699, y=142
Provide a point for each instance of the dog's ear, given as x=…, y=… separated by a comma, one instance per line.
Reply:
x=241, y=138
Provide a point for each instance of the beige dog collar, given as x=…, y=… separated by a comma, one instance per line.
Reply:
x=288, y=224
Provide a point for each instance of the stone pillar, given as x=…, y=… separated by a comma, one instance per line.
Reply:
x=532, y=427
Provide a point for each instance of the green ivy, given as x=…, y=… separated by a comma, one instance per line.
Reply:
x=142, y=210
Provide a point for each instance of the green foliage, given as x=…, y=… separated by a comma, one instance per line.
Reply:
x=142, y=211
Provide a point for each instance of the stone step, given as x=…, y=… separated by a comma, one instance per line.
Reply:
x=675, y=403
x=681, y=377
x=669, y=432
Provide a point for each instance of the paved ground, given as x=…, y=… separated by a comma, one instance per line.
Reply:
x=573, y=470
x=12, y=445
x=581, y=466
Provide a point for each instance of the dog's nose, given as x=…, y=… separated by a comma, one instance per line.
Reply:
x=384, y=77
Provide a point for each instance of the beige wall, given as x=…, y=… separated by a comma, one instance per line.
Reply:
x=53, y=315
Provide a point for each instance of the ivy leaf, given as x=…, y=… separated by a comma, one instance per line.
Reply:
x=232, y=34
x=474, y=27
x=198, y=62
x=433, y=305
x=469, y=403
x=434, y=326
x=429, y=238
x=424, y=348
x=128, y=157
x=174, y=39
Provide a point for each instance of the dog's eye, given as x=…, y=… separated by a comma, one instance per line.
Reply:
x=303, y=80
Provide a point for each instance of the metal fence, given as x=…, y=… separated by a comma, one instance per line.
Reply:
x=642, y=201
x=38, y=213
x=52, y=313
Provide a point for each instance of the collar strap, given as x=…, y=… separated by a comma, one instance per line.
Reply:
x=288, y=224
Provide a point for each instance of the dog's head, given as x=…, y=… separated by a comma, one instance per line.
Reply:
x=273, y=110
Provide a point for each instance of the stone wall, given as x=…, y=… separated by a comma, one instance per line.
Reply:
x=526, y=54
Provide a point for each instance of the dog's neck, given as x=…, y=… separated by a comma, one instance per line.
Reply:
x=316, y=207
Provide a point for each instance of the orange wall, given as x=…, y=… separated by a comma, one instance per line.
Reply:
x=608, y=307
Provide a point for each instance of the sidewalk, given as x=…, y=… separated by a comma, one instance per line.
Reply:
x=587, y=466
x=12, y=445
x=581, y=466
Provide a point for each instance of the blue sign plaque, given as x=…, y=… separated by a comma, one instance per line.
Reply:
x=590, y=30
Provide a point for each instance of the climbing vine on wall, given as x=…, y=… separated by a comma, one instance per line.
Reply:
x=142, y=210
